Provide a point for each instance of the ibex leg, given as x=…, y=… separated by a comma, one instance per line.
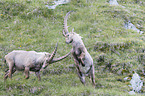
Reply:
x=6, y=74
x=11, y=65
x=26, y=72
x=80, y=74
x=92, y=75
x=38, y=75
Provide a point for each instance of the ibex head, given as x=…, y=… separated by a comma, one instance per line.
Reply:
x=49, y=58
x=68, y=35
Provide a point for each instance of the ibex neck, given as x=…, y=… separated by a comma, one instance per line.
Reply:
x=77, y=43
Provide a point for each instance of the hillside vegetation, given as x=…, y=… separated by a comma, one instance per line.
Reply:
x=117, y=52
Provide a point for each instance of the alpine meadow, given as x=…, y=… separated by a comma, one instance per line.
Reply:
x=113, y=35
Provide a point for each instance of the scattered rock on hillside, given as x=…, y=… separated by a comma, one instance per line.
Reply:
x=113, y=2
x=136, y=83
x=59, y=2
x=129, y=25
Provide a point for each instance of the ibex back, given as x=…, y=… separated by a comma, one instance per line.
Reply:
x=29, y=61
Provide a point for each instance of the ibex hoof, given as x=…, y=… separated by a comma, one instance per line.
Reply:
x=9, y=76
x=27, y=77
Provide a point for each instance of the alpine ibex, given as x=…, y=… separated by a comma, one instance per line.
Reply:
x=29, y=61
x=82, y=59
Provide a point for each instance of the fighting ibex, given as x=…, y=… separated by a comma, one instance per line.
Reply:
x=82, y=59
x=29, y=61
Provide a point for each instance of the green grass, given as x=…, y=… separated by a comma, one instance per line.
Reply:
x=117, y=52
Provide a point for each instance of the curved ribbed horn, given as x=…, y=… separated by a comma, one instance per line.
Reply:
x=60, y=58
x=65, y=23
x=53, y=54
x=49, y=60
x=64, y=33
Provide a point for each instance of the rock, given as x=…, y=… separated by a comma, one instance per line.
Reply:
x=113, y=2
x=59, y=2
x=129, y=25
x=136, y=83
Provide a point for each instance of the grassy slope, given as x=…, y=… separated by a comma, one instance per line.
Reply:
x=29, y=25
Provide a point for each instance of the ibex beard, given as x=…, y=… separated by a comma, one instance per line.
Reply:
x=82, y=59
